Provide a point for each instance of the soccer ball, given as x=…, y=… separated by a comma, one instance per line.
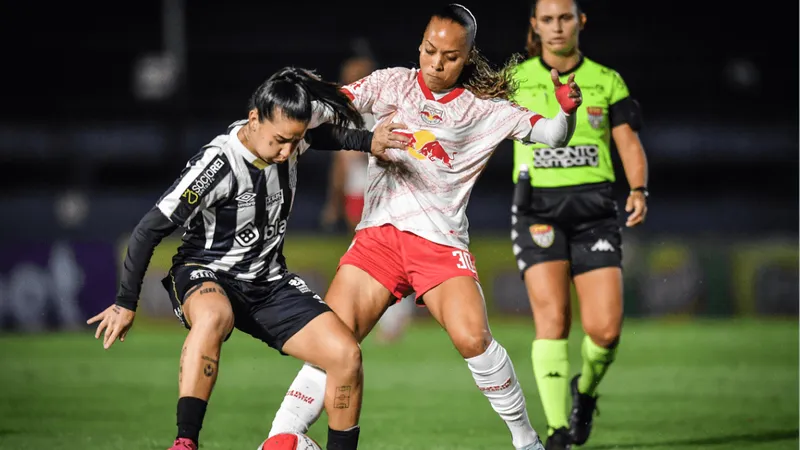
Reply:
x=290, y=441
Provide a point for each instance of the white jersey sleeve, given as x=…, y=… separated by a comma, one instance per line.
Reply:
x=365, y=92
x=530, y=127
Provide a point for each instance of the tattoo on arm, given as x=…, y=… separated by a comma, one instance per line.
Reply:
x=210, y=367
x=208, y=290
x=342, y=399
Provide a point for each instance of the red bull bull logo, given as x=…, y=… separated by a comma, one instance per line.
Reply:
x=431, y=115
x=423, y=145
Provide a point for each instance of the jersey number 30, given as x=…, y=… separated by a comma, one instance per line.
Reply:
x=464, y=260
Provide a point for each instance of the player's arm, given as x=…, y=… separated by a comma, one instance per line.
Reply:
x=198, y=186
x=556, y=131
x=333, y=137
x=631, y=152
x=625, y=117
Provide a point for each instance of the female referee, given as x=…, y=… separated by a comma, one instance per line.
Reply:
x=233, y=200
x=569, y=230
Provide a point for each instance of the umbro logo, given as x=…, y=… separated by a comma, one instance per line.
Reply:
x=602, y=245
x=554, y=375
x=246, y=199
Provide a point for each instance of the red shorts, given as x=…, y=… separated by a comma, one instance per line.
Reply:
x=353, y=207
x=404, y=262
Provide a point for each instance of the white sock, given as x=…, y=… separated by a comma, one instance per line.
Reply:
x=494, y=374
x=303, y=404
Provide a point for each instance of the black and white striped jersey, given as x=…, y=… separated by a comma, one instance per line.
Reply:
x=233, y=207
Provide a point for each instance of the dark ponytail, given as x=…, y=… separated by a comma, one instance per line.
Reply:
x=293, y=90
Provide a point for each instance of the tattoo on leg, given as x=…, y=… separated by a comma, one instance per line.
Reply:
x=342, y=399
x=210, y=367
x=180, y=367
x=191, y=291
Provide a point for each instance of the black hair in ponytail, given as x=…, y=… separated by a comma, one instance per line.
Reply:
x=293, y=90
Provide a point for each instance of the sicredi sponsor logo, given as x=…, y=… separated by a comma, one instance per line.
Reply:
x=577, y=156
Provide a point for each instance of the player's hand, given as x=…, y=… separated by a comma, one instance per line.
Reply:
x=568, y=95
x=384, y=137
x=637, y=206
x=116, y=321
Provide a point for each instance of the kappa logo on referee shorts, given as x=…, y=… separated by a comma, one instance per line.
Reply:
x=543, y=235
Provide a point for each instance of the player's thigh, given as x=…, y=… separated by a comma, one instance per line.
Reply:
x=535, y=241
x=547, y=284
x=275, y=312
x=198, y=297
x=459, y=307
x=370, y=278
x=445, y=280
x=600, y=296
x=597, y=272
x=327, y=343
x=358, y=299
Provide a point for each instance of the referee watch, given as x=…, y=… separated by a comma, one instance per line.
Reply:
x=642, y=189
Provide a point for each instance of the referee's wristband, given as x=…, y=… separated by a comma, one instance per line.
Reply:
x=641, y=189
x=127, y=304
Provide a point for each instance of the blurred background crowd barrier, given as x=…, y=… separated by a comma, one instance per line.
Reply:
x=100, y=115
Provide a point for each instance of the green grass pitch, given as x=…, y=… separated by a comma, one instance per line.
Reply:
x=727, y=384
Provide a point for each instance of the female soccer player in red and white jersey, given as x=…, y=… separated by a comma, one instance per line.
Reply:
x=413, y=235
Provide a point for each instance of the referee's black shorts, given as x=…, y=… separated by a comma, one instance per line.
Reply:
x=272, y=311
x=579, y=224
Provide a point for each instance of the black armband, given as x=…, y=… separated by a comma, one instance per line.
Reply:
x=625, y=111
x=332, y=137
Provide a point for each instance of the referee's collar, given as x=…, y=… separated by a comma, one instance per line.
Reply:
x=573, y=69
x=246, y=154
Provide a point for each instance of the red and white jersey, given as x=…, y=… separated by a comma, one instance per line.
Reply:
x=426, y=187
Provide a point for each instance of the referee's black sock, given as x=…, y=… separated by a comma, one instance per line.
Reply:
x=343, y=440
x=191, y=411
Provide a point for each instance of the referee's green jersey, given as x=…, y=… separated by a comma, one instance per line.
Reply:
x=587, y=158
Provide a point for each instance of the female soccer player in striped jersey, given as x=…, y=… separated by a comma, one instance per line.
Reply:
x=233, y=200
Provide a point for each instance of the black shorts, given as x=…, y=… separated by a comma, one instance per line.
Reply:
x=270, y=311
x=579, y=224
